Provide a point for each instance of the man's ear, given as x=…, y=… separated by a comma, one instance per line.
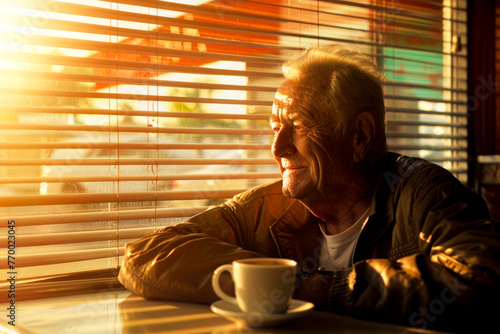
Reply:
x=364, y=134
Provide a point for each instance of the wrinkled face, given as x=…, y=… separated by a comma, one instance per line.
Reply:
x=291, y=150
x=310, y=163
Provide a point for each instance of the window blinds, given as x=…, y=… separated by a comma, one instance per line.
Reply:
x=121, y=117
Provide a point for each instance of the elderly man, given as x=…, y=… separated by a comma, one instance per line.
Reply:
x=376, y=234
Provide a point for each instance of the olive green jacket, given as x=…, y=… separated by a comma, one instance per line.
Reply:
x=428, y=257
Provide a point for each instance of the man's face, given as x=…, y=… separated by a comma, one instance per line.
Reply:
x=304, y=165
x=290, y=149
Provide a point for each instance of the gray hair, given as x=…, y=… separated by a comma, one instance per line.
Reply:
x=355, y=86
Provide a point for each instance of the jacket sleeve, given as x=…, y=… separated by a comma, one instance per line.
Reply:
x=448, y=283
x=177, y=262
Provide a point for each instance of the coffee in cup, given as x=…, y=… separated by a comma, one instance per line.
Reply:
x=262, y=285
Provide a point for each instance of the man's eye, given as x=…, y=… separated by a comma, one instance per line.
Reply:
x=276, y=128
x=299, y=128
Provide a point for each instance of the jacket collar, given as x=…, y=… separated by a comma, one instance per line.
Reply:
x=296, y=232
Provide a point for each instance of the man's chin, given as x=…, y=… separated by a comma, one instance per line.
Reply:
x=287, y=191
x=294, y=193
x=305, y=192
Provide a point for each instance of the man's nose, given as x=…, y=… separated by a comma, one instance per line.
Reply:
x=283, y=143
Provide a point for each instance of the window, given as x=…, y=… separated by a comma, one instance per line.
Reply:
x=121, y=117
x=424, y=58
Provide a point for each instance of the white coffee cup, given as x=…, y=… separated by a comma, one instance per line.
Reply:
x=262, y=285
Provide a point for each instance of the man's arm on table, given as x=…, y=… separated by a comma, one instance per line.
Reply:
x=177, y=262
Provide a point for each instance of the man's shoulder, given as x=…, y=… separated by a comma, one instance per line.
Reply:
x=401, y=170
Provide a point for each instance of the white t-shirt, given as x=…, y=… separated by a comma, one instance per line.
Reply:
x=337, y=251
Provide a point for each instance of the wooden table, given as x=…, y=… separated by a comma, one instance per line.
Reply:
x=113, y=312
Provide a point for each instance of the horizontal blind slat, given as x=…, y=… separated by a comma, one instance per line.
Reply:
x=429, y=147
x=126, y=96
x=30, y=260
x=7, y=201
x=153, y=145
x=136, y=129
x=135, y=162
x=426, y=112
x=161, y=177
x=62, y=238
x=88, y=217
x=424, y=135
x=116, y=112
x=426, y=124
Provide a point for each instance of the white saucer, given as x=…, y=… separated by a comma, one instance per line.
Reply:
x=231, y=311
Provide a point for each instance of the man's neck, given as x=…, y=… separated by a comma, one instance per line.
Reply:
x=339, y=213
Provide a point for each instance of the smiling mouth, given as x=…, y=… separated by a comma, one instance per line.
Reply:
x=293, y=168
